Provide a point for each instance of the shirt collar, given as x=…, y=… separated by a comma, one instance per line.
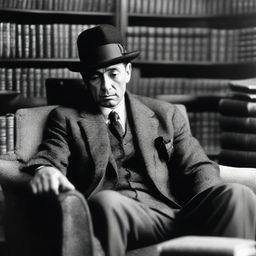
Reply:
x=120, y=109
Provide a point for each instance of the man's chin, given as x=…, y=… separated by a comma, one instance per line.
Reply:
x=109, y=103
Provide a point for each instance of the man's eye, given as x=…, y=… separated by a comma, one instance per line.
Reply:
x=114, y=74
x=94, y=77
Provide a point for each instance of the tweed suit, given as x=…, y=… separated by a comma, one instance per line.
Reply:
x=77, y=142
x=84, y=133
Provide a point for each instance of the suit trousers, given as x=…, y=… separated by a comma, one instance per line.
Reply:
x=121, y=223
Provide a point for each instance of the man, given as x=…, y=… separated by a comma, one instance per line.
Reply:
x=145, y=178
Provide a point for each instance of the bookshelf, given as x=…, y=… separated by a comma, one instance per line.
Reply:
x=210, y=21
x=38, y=41
x=196, y=69
x=193, y=40
x=24, y=16
x=22, y=71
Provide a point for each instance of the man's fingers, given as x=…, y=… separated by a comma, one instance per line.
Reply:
x=65, y=184
x=33, y=187
x=45, y=182
x=48, y=180
x=54, y=185
x=36, y=186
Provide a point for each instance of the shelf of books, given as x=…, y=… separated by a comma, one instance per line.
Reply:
x=193, y=21
x=50, y=16
x=192, y=49
x=186, y=47
x=38, y=41
x=192, y=7
x=195, y=69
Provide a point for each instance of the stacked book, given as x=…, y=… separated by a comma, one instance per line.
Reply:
x=238, y=124
x=7, y=134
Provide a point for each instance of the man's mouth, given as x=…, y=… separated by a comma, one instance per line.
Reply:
x=107, y=96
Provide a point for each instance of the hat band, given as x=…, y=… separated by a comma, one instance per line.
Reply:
x=102, y=53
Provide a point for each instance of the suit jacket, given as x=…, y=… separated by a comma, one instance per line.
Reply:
x=77, y=143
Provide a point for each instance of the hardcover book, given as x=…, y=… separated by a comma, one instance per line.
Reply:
x=207, y=246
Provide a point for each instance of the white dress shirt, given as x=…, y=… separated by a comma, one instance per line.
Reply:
x=120, y=109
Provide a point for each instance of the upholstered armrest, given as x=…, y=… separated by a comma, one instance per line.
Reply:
x=77, y=226
x=10, y=174
x=246, y=176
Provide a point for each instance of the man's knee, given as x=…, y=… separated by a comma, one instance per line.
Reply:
x=238, y=195
x=105, y=201
x=235, y=190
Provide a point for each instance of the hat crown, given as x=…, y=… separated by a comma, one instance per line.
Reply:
x=101, y=46
x=98, y=36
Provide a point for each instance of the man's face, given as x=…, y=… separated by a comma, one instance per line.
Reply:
x=108, y=85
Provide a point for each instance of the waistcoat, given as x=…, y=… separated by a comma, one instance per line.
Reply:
x=133, y=181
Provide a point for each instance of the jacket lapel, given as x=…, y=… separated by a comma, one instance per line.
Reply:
x=146, y=130
x=95, y=133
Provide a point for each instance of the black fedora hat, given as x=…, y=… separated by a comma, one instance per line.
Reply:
x=99, y=47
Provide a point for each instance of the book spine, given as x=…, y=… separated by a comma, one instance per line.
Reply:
x=10, y=133
x=3, y=147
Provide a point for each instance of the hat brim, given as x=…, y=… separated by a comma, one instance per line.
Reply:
x=81, y=66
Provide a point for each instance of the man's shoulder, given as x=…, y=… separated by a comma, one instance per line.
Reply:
x=155, y=104
x=63, y=111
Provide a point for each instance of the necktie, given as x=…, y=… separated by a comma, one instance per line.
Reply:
x=114, y=126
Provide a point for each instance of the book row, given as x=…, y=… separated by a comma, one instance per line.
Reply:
x=192, y=7
x=154, y=43
x=172, y=7
x=39, y=41
x=7, y=134
x=193, y=44
x=205, y=127
x=30, y=82
x=152, y=87
x=61, y=5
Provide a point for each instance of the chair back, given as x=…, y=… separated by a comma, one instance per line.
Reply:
x=30, y=122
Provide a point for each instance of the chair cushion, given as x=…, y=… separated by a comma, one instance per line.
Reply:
x=30, y=123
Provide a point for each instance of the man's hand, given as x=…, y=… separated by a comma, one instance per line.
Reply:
x=49, y=179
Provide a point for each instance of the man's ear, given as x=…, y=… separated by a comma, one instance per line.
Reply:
x=128, y=70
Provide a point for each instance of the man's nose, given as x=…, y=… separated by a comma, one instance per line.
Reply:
x=106, y=83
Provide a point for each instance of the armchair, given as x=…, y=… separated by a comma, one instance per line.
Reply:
x=49, y=225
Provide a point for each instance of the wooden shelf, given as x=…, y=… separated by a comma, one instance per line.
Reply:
x=196, y=69
x=37, y=63
x=195, y=103
x=216, y=21
x=8, y=94
x=12, y=104
x=154, y=68
x=48, y=17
